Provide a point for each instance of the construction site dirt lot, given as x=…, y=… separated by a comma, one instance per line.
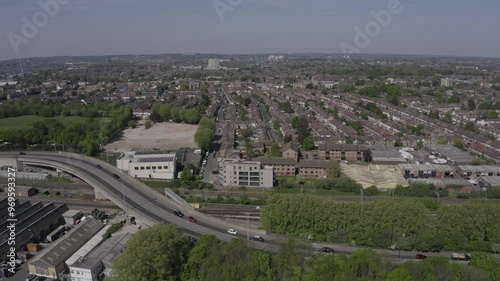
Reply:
x=162, y=136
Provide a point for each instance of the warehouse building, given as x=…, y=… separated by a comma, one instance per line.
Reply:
x=148, y=166
x=51, y=261
x=450, y=153
x=385, y=155
x=410, y=171
x=473, y=172
x=452, y=185
x=240, y=173
x=490, y=181
x=99, y=262
x=33, y=222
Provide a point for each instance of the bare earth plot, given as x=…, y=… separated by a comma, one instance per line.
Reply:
x=163, y=136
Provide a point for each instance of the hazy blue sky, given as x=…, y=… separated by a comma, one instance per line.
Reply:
x=103, y=27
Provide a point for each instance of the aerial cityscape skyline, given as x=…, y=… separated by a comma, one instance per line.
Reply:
x=88, y=27
x=249, y=140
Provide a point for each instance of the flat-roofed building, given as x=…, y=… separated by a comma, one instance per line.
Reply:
x=490, y=181
x=450, y=153
x=385, y=155
x=51, y=261
x=239, y=173
x=453, y=185
x=472, y=172
x=281, y=166
x=314, y=169
x=99, y=262
x=148, y=166
x=426, y=171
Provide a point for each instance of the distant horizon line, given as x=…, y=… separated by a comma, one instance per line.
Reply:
x=259, y=53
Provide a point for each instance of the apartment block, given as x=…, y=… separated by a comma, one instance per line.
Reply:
x=239, y=173
x=348, y=152
x=314, y=169
x=281, y=166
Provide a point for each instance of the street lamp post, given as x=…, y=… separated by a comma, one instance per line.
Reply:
x=248, y=233
x=438, y=196
x=124, y=203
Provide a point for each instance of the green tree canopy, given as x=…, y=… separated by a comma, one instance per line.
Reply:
x=156, y=253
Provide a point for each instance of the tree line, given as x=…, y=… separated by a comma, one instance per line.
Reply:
x=164, y=112
x=49, y=109
x=396, y=224
x=82, y=137
x=162, y=252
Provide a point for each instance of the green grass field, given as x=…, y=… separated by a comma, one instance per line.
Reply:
x=26, y=121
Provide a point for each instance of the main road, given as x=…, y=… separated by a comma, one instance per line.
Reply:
x=138, y=200
x=134, y=197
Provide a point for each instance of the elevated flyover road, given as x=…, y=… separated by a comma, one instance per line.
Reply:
x=138, y=200
x=134, y=197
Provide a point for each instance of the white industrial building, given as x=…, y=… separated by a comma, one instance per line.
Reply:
x=237, y=173
x=148, y=166
x=98, y=262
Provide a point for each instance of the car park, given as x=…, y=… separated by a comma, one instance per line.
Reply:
x=178, y=213
x=232, y=231
x=327, y=250
x=420, y=257
x=191, y=219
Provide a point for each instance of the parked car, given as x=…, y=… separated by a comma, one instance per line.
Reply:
x=191, y=219
x=327, y=250
x=178, y=213
x=116, y=176
x=258, y=238
x=232, y=231
x=30, y=277
x=98, y=166
x=420, y=257
x=22, y=153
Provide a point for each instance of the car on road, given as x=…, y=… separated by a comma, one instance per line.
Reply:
x=30, y=277
x=98, y=166
x=258, y=238
x=327, y=250
x=191, y=219
x=232, y=231
x=22, y=153
x=178, y=213
x=116, y=176
x=420, y=257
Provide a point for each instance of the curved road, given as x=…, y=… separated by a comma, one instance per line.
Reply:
x=140, y=200
x=152, y=207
